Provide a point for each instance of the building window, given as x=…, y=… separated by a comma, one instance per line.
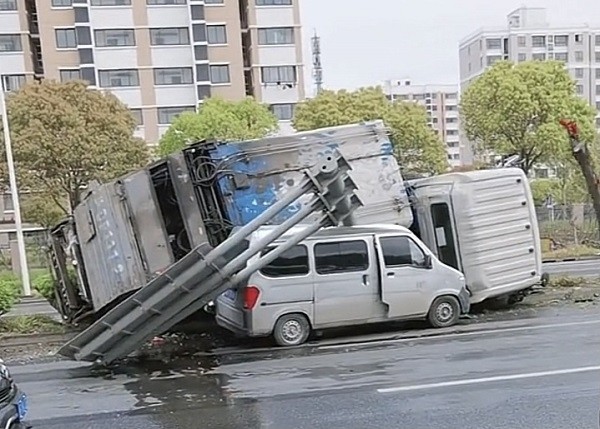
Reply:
x=118, y=78
x=173, y=76
x=216, y=34
x=561, y=56
x=169, y=36
x=579, y=73
x=114, y=38
x=220, y=74
x=491, y=59
x=165, y=2
x=273, y=2
x=579, y=89
x=597, y=89
x=578, y=56
x=538, y=57
x=493, y=43
x=341, y=257
x=278, y=74
x=578, y=39
x=561, y=40
x=139, y=117
x=14, y=82
x=452, y=108
x=8, y=4
x=597, y=73
x=67, y=75
x=522, y=57
x=62, y=3
x=451, y=120
x=598, y=57
x=10, y=43
x=452, y=132
x=598, y=105
x=522, y=41
x=538, y=41
x=213, y=1
x=111, y=2
x=276, y=36
x=292, y=262
x=166, y=115
x=66, y=38
x=284, y=112
x=451, y=96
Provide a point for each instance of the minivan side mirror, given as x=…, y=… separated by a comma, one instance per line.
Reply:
x=427, y=263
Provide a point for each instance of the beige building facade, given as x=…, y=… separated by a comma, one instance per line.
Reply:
x=160, y=57
x=441, y=103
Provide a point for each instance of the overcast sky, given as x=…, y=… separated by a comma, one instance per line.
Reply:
x=365, y=42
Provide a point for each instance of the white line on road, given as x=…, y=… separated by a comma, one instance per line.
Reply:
x=431, y=334
x=489, y=379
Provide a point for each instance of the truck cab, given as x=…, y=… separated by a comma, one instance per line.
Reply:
x=482, y=223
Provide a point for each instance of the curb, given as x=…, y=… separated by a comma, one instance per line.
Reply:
x=573, y=259
x=19, y=340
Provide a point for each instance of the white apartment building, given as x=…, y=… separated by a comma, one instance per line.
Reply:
x=441, y=103
x=160, y=57
x=528, y=35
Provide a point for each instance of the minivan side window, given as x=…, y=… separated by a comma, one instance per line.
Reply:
x=292, y=262
x=341, y=257
x=401, y=250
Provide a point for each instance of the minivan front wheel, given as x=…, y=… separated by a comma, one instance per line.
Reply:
x=291, y=330
x=444, y=312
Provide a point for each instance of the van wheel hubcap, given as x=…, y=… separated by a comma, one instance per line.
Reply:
x=292, y=331
x=444, y=312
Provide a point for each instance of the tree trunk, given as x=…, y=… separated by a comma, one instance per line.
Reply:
x=593, y=186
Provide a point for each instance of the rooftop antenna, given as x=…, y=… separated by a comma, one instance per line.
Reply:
x=316, y=62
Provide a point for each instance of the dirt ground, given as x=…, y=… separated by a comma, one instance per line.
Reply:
x=562, y=293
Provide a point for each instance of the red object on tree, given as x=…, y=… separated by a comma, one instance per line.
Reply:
x=571, y=127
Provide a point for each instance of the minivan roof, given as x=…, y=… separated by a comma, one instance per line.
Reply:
x=338, y=231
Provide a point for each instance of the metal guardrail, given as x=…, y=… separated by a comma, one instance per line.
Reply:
x=204, y=273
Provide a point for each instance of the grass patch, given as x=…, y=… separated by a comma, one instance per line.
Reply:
x=570, y=282
x=30, y=325
x=571, y=252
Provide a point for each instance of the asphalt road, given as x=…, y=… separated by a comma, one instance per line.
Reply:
x=540, y=373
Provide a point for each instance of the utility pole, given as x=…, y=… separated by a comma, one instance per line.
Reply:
x=316, y=63
x=14, y=191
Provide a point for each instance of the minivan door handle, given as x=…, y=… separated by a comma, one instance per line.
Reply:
x=365, y=280
x=390, y=274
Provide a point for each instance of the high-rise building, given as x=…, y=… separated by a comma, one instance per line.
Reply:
x=441, y=103
x=160, y=57
x=528, y=35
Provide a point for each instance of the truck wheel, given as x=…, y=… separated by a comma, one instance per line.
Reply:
x=291, y=330
x=444, y=312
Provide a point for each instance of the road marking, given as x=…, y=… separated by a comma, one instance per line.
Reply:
x=489, y=379
x=428, y=336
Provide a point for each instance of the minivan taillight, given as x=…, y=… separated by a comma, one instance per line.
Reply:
x=251, y=294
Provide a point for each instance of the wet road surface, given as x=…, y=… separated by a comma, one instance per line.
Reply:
x=545, y=374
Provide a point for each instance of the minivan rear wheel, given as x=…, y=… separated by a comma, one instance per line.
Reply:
x=291, y=330
x=444, y=312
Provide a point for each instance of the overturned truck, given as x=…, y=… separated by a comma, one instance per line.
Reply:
x=150, y=248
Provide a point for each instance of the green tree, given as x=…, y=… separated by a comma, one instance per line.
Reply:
x=219, y=119
x=417, y=147
x=64, y=135
x=516, y=109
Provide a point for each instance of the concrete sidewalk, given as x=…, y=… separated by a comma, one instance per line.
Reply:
x=33, y=306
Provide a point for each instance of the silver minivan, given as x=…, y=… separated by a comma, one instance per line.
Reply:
x=344, y=276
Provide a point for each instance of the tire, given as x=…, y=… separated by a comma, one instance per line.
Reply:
x=444, y=312
x=291, y=330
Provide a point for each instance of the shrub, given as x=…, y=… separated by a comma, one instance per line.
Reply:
x=45, y=285
x=10, y=288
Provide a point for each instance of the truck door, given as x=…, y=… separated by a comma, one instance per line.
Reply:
x=346, y=287
x=406, y=281
x=443, y=228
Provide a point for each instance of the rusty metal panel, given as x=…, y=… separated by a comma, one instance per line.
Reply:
x=146, y=221
x=252, y=175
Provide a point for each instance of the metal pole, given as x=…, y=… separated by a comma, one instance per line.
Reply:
x=14, y=193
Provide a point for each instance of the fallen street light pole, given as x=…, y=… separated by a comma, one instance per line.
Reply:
x=14, y=192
